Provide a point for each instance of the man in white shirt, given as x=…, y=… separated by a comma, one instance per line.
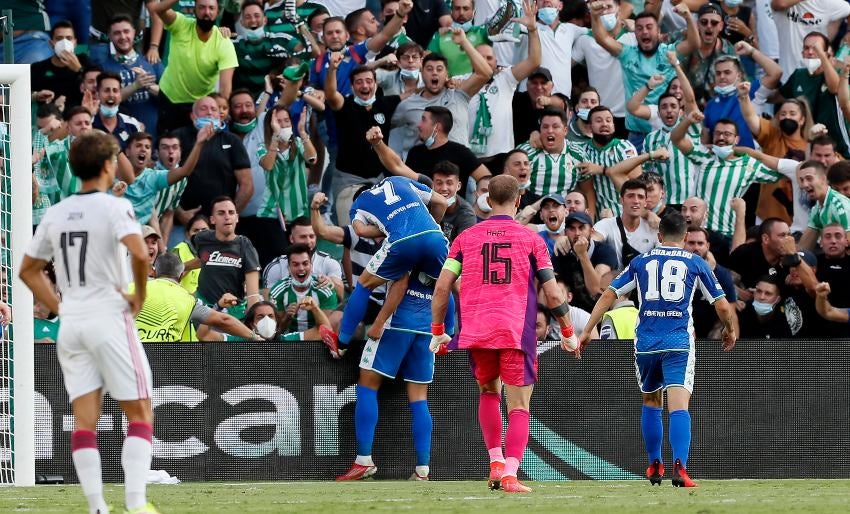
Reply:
x=557, y=40
x=639, y=235
x=795, y=18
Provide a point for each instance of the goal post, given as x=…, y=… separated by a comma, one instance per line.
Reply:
x=17, y=386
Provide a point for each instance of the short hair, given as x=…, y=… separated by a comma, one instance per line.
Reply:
x=301, y=221
x=632, y=184
x=139, y=136
x=694, y=228
x=88, y=68
x=442, y=116
x=333, y=19
x=822, y=141
x=169, y=135
x=504, y=189
x=583, y=90
x=727, y=121
x=406, y=47
x=730, y=58
x=515, y=150
x=75, y=110
x=90, y=151
x=248, y=3
x=652, y=179
x=598, y=108
x=298, y=248
x=767, y=225
x=48, y=110
x=823, y=38
x=817, y=165
x=362, y=68
x=353, y=19
x=239, y=91
x=434, y=57
x=770, y=279
x=667, y=95
x=838, y=173
x=318, y=12
x=673, y=227
x=198, y=216
x=447, y=168
x=62, y=24
x=168, y=265
x=108, y=75
x=558, y=113
x=220, y=199
x=646, y=14
x=121, y=18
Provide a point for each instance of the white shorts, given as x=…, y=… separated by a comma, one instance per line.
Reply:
x=103, y=351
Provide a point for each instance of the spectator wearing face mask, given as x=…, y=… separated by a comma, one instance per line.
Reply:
x=59, y=75
x=106, y=110
x=264, y=321
x=408, y=76
x=288, y=294
x=764, y=316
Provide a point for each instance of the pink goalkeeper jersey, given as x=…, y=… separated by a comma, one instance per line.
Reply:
x=498, y=301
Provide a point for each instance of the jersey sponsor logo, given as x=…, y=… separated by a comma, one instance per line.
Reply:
x=663, y=314
x=380, y=118
x=217, y=258
x=401, y=209
x=225, y=147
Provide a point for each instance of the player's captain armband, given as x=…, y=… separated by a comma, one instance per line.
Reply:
x=453, y=265
x=545, y=275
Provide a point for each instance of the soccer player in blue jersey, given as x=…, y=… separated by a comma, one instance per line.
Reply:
x=404, y=212
x=398, y=342
x=666, y=279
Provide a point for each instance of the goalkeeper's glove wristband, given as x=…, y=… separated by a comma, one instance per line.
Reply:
x=567, y=331
x=438, y=329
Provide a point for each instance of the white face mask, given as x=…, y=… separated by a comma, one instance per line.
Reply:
x=63, y=45
x=812, y=65
x=609, y=21
x=451, y=201
x=307, y=282
x=482, y=203
x=285, y=134
x=525, y=185
x=266, y=327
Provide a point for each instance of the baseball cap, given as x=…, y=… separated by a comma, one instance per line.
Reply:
x=555, y=197
x=148, y=231
x=581, y=217
x=709, y=8
x=808, y=257
x=540, y=71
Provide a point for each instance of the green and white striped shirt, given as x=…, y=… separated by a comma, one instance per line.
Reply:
x=283, y=293
x=678, y=173
x=48, y=189
x=618, y=150
x=56, y=158
x=286, y=184
x=169, y=199
x=719, y=181
x=553, y=173
x=835, y=208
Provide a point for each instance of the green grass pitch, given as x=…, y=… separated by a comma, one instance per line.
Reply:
x=621, y=497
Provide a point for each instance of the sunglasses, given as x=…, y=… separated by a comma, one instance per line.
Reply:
x=706, y=22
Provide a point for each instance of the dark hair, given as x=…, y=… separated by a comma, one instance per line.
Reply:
x=406, y=47
x=515, y=150
x=651, y=178
x=820, y=36
x=769, y=279
x=90, y=68
x=727, y=121
x=646, y=14
x=248, y=3
x=47, y=110
x=90, y=151
x=446, y=168
x=121, y=18
x=139, y=136
x=822, y=141
x=817, y=165
x=362, y=68
x=694, y=228
x=353, y=19
x=667, y=95
x=169, y=135
x=730, y=58
x=673, y=226
x=442, y=116
x=198, y=216
x=62, y=24
x=107, y=75
x=75, y=110
x=435, y=57
x=220, y=199
x=583, y=90
x=558, y=113
x=333, y=19
x=248, y=320
x=767, y=225
x=632, y=184
x=838, y=173
x=301, y=221
x=598, y=108
x=267, y=123
x=298, y=248
x=318, y=12
x=239, y=91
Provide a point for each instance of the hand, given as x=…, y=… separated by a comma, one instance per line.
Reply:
x=745, y=295
x=308, y=303
x=70, y=60
x=227, y=300
x=581, y=245
x=817, y=130
x=38, y=155
x=51, y=126
x=274, y=124
x=789, y=245
x=324, y=281
x=144, y=79
x=729, y=337
x=583, y=340
x=652, y=219
x=302, y=123
x=389, y=62
x=655, y=81
x=543, y=101
x=682, y=10
x=119, y=188
x=375, y=331
x=45, y=96
x=5, y=314
x=743, y=89
x=153, y=55
x=534, y=140
x=597, y=8
x=91, y=103
x=60, y=102
x=739, y=206
x=606, y=213
x=374, y=136
x=335, y=60
x=563, y=245
x=439, y=342
x=629, y=24
x=267, y=82
x=735, y=24
x=743, y=48
x=529, y=16
x=135, y=302
x=571, y=344
x=740, y=305
x=225, y=32
x=694, y=116
x=659, y=154
x=206, y=133
x=823, y=289
x=318, y=199
x=291, y=309
x=672, y=58
x=590, y=168
x=458, y=35
x=404, y=7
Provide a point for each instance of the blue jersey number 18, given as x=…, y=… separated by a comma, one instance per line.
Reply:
x=672, y=287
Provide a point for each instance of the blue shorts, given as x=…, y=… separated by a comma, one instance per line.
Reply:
x=400, y=352
x=661, y=370
x=426, y=252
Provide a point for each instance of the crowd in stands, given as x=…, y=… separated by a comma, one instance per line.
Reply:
x=249, y=127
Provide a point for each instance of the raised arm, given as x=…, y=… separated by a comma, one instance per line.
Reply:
x=333, y=97
x=689, y=99
x=691, y=41
x=781, y=5
x=481, y=71
x=523, y=69
x=391, y=160
x=739, y=236
x=330, y=233
x=391, y=28
x=678, y=136
x=626, y=169
x=635, y=104
x=163, y=9
x=602, y=37
x=844, y=89
x=830, y=76
x=178, y=174
x=825, y=309
x=748, y=110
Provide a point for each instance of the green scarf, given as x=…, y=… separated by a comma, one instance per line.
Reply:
x=483, y=127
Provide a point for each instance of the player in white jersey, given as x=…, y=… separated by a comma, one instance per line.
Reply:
x=87, y=236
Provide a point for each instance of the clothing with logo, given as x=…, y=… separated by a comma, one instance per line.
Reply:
x=224, y=265
x=800, y=19
x=617, y=150
x=323, y=264
x=773, y=326
x=142, y=193
x=749, y=262
x=619, y=322
x=46, y=330
x=276, y=23
x=835, y=208
x=422, y=159
x=284, y=293
x=823, y=104
x=643, y=238
x=141, y=105
x=553, y=173
x=721, y=180
x=678, y=173
x=457, y=60
x=356, y=156
x=124, y=128
x=637, y=68
x=257, y=58
x=286, y=184
x=728, y=107
x=407, y=116
x=497, y=94
x=168, y=313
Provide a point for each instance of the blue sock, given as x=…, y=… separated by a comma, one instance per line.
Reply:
x=680, y=435
x=652, y=428
x=421, y=426
x=355, y=310
x=365, y=418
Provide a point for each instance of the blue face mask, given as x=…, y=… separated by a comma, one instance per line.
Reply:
x=409, y=74
x=548, y=15
x=204, y=121
x=609, y=21
x=733, y=3
x=431, y=139
x=256, y=34
x=722, y=152
x=108, y=111
x=364, y=103
x=762, y=309
x=583, y=113
x=465, y=26
x=725, y=90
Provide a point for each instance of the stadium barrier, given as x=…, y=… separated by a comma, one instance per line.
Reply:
x=255, y=411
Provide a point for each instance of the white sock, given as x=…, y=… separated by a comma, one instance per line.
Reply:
x=87, y=465
x=423, y=470
x=136, y=461
x=364, y=460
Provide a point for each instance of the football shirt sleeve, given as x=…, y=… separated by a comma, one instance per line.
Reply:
x=40, y=246
x=708, y=283
x=626, y=281
x=123, y=219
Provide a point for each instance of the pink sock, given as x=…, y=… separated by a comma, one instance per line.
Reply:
x=516, y=439
x=490, y=419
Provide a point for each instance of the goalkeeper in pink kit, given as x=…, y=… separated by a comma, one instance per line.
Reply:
x=497, y=262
